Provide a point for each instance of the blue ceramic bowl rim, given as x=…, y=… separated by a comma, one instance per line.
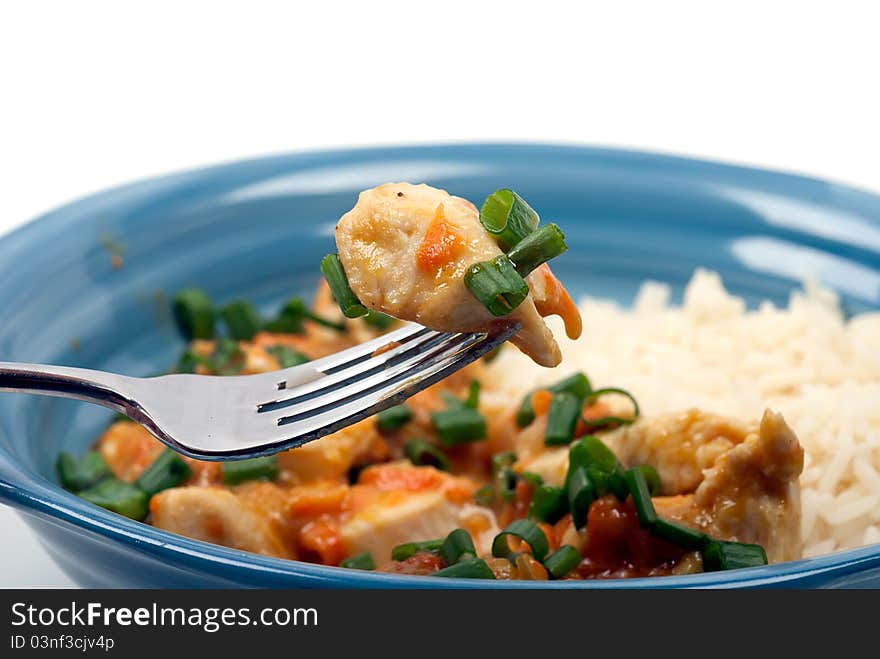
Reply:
x=36, y=495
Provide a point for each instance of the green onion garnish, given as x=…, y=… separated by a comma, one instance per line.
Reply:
x=577, y=384
x=497, y=285
x=393, y=418
x=79, y=473
x=565, y=410
x=581, y=494
x=527, y=531
x=457, y=546
x=241, y=319
x=501, y=460
x=360, y=562
x=607, y=420
x=473, y=397
x=641, y=496
x=723, y=555
x=408, y=549
x=459, y=426
x=194, y=314
x=167, y=471
x=652, y=478
x=189, y=361
x=118, y=496
x=591, y=451
x=249, y=470
x=422, y=453
x=538, y=247
x=505, y=483
x=508, y=218
x=287, y=356
x=562, y=561
x=525, y=414
x=292, y=316
x=532, y=478
x=549, y=504
x=680, y=535
x=227, y=358
x=474, y=568
x=378, y=320
x=331, y=268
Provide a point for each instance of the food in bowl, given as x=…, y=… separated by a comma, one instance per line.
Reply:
x=462, y=480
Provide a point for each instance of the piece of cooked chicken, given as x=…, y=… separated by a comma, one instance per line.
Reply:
x=405, y=250
x=732, y=480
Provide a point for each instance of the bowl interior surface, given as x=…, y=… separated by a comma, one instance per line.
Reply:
x=258, y=229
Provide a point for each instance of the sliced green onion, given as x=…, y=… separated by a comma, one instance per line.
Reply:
x=538, y=247
x=475, y=568
x=194, y=314
x=565, y=409
x=457, y=546
x=508, y=218
x=501, y=460
x=393, y=418
x=287, y=356
x=549, y=504
x=497, y=285
x=189, y=361
x=290, y=318
x=606, y=420
x=241, y=320
x=527, y=531
x=590, y=451
x=525, y=414
x=459, y=426
x=577, y=384
x=652, y=478
x=227, y=358
x=723, y=555
x=505, y=480
x=408, y=549
x=679, y=534
x=452, y=401
x=79, y=473
x=422, y=453
x=331, y=268
x=532, y=478
x=581, y=494
x=473, y=397
x=562, y=561
x=378, y=320
x=641, y=496
x=360, y=562
x=249, y=470
x=118, y=496
x=167, y=471
x=485, y=496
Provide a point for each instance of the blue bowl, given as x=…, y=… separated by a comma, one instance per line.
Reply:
x=258, y=229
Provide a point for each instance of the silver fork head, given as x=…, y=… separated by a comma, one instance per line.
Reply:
x=245, y=416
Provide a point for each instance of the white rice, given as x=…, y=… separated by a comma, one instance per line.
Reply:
x=806, y=361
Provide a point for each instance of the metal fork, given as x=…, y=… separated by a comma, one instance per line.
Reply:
x=243, y=416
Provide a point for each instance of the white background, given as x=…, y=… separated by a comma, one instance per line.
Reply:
x=98, y=93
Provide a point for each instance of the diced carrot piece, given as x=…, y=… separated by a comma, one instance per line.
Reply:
x=440, y=245
x=541, y=400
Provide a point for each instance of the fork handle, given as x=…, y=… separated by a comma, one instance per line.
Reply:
x=107, y=389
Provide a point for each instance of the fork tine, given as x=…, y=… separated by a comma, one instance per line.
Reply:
x=344, y=358
x=341, y=376
x=433, y=369
x=296, y=407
